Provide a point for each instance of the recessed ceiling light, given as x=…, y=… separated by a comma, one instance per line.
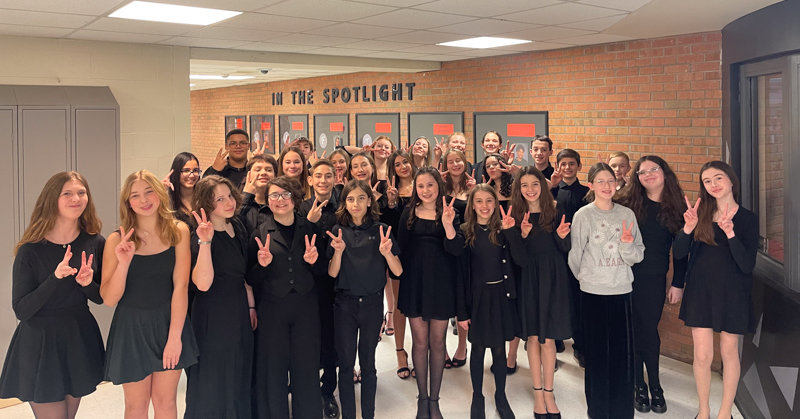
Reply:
x=484, y=42
x=205, y=77
x=157, y=12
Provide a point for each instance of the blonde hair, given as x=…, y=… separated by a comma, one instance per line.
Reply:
x=166, y=225
x=619, y=154
x=45, y=212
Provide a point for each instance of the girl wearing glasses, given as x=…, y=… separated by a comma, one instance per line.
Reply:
x=183, y=175
x=605, y=244
x=656, y=197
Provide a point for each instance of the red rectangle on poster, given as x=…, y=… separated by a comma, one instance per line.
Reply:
x=521, y=130
x=337, y=126
x=297, y=126
x=266, y=126
x=443, y=129
x=239, y=123
x=383, y=127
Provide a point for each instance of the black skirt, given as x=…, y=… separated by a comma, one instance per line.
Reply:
x=494, y=319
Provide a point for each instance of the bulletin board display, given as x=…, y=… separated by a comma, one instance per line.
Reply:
x=235, y=122
x=433, y=125
x=262, y=132
x=517, y=128
x=372, y=125
x=330, y=131
x=292, y=127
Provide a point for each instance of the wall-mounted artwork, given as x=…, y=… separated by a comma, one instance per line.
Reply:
x=516, y=128
x=432, y=125
x=372, y=125
x=262, y=132
x=292, y=127
x=331, y=131
x=235, y=122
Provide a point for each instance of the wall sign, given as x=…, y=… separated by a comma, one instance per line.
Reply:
x=262, y=131
x=515, y=127
x=331, y=131
x=433, y=124
x=292, y=127
x=373, y=93
x=372, y=125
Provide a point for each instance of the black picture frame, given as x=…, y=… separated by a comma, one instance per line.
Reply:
x=364, y=120
x=230, y=123
x=424, y=127
x=285, y=122
x=331, y=138
x=257, y=135
x=500, y=121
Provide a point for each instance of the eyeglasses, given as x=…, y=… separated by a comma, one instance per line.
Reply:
x=240, y=144
x=653, y=170
x=602, y=183
x=277, y=196
x=189, y=172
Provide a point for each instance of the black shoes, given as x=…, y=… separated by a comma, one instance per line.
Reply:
x=511, y=371
x=657, y=403
x=478, y=408
x=503, y=408
x=330, y=409
x=560, y=346
x=641, y=401
x=579, y=359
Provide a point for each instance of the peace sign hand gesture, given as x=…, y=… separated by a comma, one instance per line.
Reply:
x=63, y=269
x=260, y=150
x=250, y=183
x=448, y=212
x=526, y=225
x=337, y=243
x=690, y=216
x=509, y=168
x=391, y=192
x=555, y=178
x=471, y=182
x=221, y=160
x=563, y=228
x=311, y=254
x=264, y=255
x=125, y=248
x=205, y=230
x=438, y=149
x=386, y=242
x=508, y=220
x=167, y=182
x=375, y=194
x=627, y=237
x=341, y=179
x=315, y=213
x=508, y=153
x=86, y=274
x=726, y=222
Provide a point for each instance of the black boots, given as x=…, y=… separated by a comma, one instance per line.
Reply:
x=503, y=408
x=641, y=400
x=657, y=402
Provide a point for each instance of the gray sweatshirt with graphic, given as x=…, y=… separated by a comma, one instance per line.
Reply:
x=599, y=260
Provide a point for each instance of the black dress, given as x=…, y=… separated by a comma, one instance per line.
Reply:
x=140, y=327
x=543, y=298
x=218, y=386
x=428, y=282
x=719, y=280
x=57, y=348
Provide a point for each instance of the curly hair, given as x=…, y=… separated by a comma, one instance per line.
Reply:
x=203, y=196
x=505, y=179
x=288, y=185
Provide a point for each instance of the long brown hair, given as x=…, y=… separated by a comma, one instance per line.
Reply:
x=45, y=212
x=302, y=180
x=471, y=219
x=343, y=216
x=203, y=196
x=704, y=231
x=428, y=157
x=519, y=205
x=367, y=155
x=450, y=187
x=593, y=171
x=506, y=179
x=391, y=174
x=672, y=203
x=415, y=199
x=166, y=226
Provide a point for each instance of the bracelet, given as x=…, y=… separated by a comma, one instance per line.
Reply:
x=202, y=242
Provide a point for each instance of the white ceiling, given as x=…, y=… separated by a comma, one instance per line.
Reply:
x=382, y=30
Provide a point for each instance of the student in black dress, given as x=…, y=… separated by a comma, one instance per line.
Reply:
x=360, y=250
x=541, y=150
x=454, y=141
x=283, y=266
x=180, y=181
x=260, y=170
x=56, y=354
x=146, y=276
x=543, y=292
x=231, y=161
x=721, y=239
x=223, y=311
x=500, y=177
x=292, y=163
x=381, y=149
x=430, y=241
x=491, y=143
x=486, y=297
x=340, y=159
x=655, y=196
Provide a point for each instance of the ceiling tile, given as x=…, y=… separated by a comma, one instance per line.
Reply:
x=395, y=3
x=535, y=46
x=314, y=40
x=413, y=19
x=137, y=38
x=20, y=30
x=237, y=5
x=186, y=41
x=344, y=52
x=110, y=24
x=397, y=55
x=337, y=10
x=53, y=20
x=484, y=27
x=484, y=8
x=353, y=30
x=423, y=37
x=380, y=45
x=546, y=32
x=219, y=32
x=560, y=13
x=598, y=38
x=627, y=5
x=82, y=7
x=272, y=47
x=434, y=49
x=273, y=23
x=596, y=24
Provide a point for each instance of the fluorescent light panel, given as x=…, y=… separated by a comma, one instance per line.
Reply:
x=205, y=77
x=484, y=42
x=157, y=12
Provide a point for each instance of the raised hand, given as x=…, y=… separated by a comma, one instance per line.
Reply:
x=391, y=192
x=448, y=212
x=311, y=254
x=563, y=228
x=690, y=216
x=315, y=213
x=627, y=237
x=513, y=169
x=86, y=274
x=63, y=269
x=375, y=194
x=386, y=242
x=508, y=220
x=508, y=153
x=341, y=179
x=471, y=182
x=264, y=255
x=125, y=249
x=556, y=177
x=526, y=225
x=337, y=243
x=205, y=230
x=260, y=150
x=438, y=149
x=221, y=160
x=250, y=183
x=166, y=181
x=726, y=222
x=313, y=158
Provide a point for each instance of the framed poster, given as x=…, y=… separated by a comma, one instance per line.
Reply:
x=235, y=122
x=292, y=127
x=372, y=125
x=331, y=131
x=515, y=127
x=262, y=131
x=433, y=125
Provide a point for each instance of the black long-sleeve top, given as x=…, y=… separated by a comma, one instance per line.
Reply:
x=236, y=175
x=658, y=241
x=252, y=214
x=570, y=197
x=35, y=286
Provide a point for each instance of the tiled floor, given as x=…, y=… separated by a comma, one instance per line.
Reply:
x=396, y=398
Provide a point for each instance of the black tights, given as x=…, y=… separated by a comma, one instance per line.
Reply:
x=428, y=336
x=498, y=368
x=65, y=409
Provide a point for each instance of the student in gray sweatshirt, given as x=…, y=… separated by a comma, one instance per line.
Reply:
x=605, y=244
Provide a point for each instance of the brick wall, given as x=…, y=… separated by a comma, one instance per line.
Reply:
x=658, y=96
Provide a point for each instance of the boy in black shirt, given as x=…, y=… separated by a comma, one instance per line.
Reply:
x=541, y=150
x=231, y=161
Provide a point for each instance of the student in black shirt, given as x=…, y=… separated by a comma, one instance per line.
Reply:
x=491, y=143
x=292, y=164
x=260, y=170
x=231, y=161
x=541, y=150
x=360, y=250
x=183, y=175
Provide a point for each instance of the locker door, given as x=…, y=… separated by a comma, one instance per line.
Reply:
x=8, y=322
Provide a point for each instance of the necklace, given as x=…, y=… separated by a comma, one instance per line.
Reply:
x=483, y=228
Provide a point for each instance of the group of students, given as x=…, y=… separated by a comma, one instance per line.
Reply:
x=265, y=270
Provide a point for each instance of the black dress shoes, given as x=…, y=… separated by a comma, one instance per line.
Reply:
x=641, y=400
x=330, y=409
x=657, y=402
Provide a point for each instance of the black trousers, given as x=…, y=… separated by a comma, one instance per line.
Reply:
x=358, y=325
x=649, y=294
x=576, y=313
x=288, y=344
x=327, y=296
x=608, y=350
